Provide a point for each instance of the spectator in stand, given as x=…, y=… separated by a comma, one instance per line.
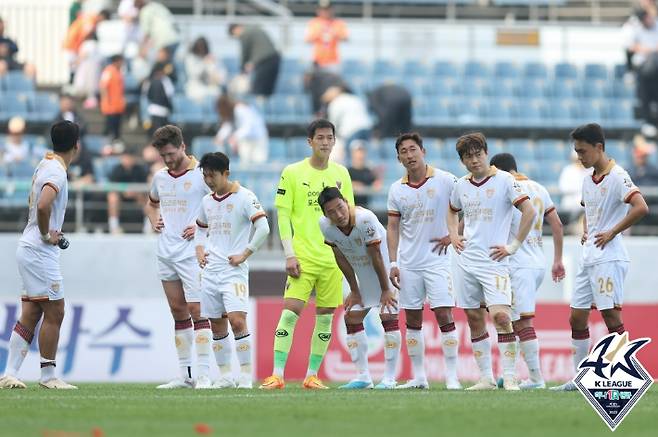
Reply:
x=158, y=27
x=242, y=130
x=642, y=43
x=316, y=82
x=88, y=71
x=132, y=35
x=570, y=185
x=325, y=32
x=113, y=101
x=259, y=58
x=16, y=148
x=205, y=77
x=349, y=114
x=8, y=47
x=128, y=171
x=364, y=179
x=81, y=30
x=643, y=173
x=67, y=111
x=159, y=93
x=392, y=105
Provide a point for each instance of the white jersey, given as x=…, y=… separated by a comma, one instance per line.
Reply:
x=51, y=171
x=229, y=220
x=366, y=231
x=531, y=252
x=422, y=210
x=179, y=197
x=606, y=198
x=488, y=208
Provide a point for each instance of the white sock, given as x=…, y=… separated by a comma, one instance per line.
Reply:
x=450, y=346
x=222, y=349
x=113, y=223
x=357, y=343
x=202, y=341
x=18, y=348
x=416, y=351
x=184, y=336
x=392, y=344
x=482, y=353
x=47, y=369
x=580, y=341
x=243, y=350
x=507, y=349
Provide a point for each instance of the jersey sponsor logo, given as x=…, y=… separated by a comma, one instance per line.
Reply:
x=324, y=336
x=612, y=379
x=306, y=184
x=281, y=333
x=431, y=192
x=280, y=191
x=187, y=185
x=490, y=192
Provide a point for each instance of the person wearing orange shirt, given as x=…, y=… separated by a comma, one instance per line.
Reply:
x=113, y=101
x=325, y=32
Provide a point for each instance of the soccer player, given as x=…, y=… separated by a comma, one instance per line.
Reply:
x=417, y=208
x=226, y=219
x=527, y=267
x=38, y=262
x=174, y=202
x=310, y=263
x=606, y=196
x=487, y=196
x=355, y=236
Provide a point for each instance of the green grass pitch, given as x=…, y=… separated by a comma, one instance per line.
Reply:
x=104, y=410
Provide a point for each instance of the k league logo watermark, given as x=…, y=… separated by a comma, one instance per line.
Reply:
x=612, y=379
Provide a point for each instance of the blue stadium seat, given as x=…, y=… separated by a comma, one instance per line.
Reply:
x=291, y=66
x=621, y=89
x=619, y=151
x=298, y=148
x=532, y=88
x=592, y=111
x=564, y=70
x=550, y=150
x=500, y=112
x=16, y=81
x=446, y=69
x=383, y=67
x=619, y=71
x=535, y=70
x=596, y=71
x=563, y=88
x=232, y=65
x=202, y=145
x=354, y=67
x=94, y=143
x=533, y=112
x=413, y=68
x=13, y=104
x=103, y=167
x=187, y=110
x=506, y=70
x=289, y=84
x=21, y=170
x=43, y=106
x=621, y=115
x=476, y=69
x=278, y=150
x=593, y=89
x=474, y=87
x=563, y=112
x=503, y=88
x=444, y=87
x=432, y=112
x=469, y=111
x=522, y=149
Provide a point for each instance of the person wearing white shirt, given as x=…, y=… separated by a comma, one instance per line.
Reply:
x=349, y=114
x=243, y=130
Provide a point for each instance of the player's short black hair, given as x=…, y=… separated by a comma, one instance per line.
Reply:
x=115, y=58
x=471, y=143
x=504, y=161
x=65, y=135
x=413, y=136
x=327, y=194
x=320, y=123
x=590, y=133
x=215, y=161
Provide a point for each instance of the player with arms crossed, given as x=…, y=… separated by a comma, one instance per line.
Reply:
x=174, y=202
x=606, y=196
x=417, y=208
x=527, y=267
x=310, y=263
x=355, y=236
x=38, y=262
x=487, y=196
x=226, y=219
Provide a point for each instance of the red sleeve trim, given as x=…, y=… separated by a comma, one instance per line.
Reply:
x=51, y=185
x=155, y=201
x=630, y=195
x=520, y=200
x=201, y=225
x=374, y=243
x=257, y=216
x=453, y=208
x=394, y=214
x=549, y=210
x=329, y=243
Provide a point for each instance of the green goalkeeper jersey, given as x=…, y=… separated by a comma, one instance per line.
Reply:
x=297, y=204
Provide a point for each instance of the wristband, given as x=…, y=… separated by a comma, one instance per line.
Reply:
x=288, y=250
x=394, y=265
x=45, y=237
x=513, y=247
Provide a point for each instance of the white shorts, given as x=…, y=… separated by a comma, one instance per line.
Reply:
x=187, y=271
x=488, y=285
x=223, y=293
x=371, y=296
x=525, y=283
x=41, y=275
x=433, y=285
x=600, y=285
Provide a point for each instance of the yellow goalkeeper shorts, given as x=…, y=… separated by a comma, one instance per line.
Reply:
x=327, y=282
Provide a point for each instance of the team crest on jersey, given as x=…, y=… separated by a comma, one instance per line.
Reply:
x=490, y=193
x=370, y=232
x=187, y=185
x=517, y=187
x=256, y=204
x=603, y=191
x=229, y=207
x=612, y=379
x=431, y=192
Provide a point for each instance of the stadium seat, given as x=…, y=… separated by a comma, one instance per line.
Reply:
x=621, y=115
x=476, y=69
x=298, y=148
x=202, y=145
x=94, y=143
x=522, y=149
x=592, y=111
x=563, y=112
x=446, y=69
x=13, y=104
x=550, y=150
x=500, y=112
x=533, y=112
x=278, y=150
x=535, y=70
x=563, y=89
x=506, y=70
x=619, y=151
x=475, y=87
x=43, y=106
x=354, y=67
x=187, y=110
x=621, y=89
x=596, y=71
x=503, y=88
x=232, y=65
x=21, y=170
x=103, y=167
x=592, y=88
x=564, y=70
x=413, y=68
x=16, y=81
x=532, y=88
x=383, y=67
